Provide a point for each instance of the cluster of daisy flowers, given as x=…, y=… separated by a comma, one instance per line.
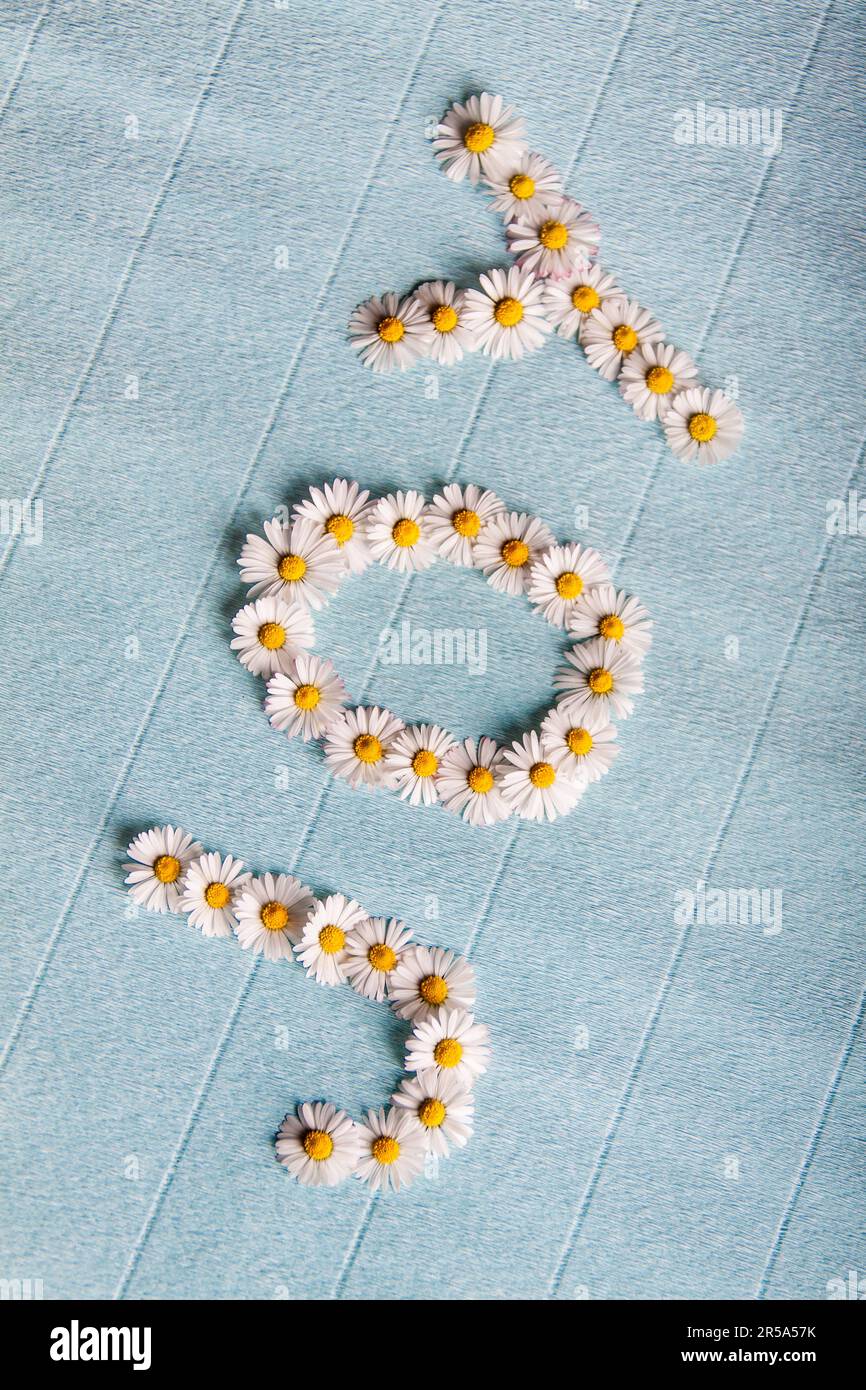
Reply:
x=337, y=941
x=556, y=283
x=339, y=530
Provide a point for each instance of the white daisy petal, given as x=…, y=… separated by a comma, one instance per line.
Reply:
x=617, y=617
x=442, y=1105
x=413, y=761
x=159, y=859
x=534, y=786
x=559, y=577
x=457, y=517
x=652, y=375
x=615, y=329
x=452, y=1042
x=469, y=782
x=703, y=426
x=340, y=509
x=443, y=303
x=323, y=946
x=390, y=334
x=507, y=313
x=428, y=980
x=599, y=675
x=319, y=1144
x=522, y=187
x=307, y=699
x=393, y=1146
x=581, y=745
x=477, y=136
x=211, y=886
x=374, y=948
x=398, y=533
x=510, y=546
x=356, y=745
x=297, y=563
x=271, y=912
x=270, y=634
x=555, y=241
x=567, y=302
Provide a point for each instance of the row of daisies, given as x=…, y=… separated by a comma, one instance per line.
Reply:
x=555, y=284
x=277, y=916
x=337, y=530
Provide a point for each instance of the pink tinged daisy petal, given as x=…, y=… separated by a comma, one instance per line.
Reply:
x=703, y=426
x=617, y=617
x=560, y=576
x=522, y=187
x=443, y=1107
x=469, y=782
x=413, y=760
x=534, y=786
x=599, y=675
x=507, y=313
x=357, y=744
x=652, y=375
x=211, y=886
x=443, y=303
x=428, y=980
x=392, y=1151
x=568, y=302
x=307, y=699
x=159, y=858
x=271, y=911
x=556, y=241
x=452, y=1042
x=270, y=634
x=340, y=509
x=509, y=547
x=390, y=334
x=477, y=136
x=323, y=946
x=581, y=745
x=374, y=949
x=457, y=517
x=397, y=532
x=613, y=331
x=318, y=1144
x=297, y=563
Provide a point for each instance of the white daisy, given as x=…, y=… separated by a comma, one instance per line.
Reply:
x=323, y=949
x=390, y=334
x=270, y=634
x=210, y=889
x=555, y=241
x=510, y=546
x=443, y=1107
x=340, y=509
x=703, y=426
x=319, y=1144
x=615, y=329
x=159, y=859
x=443, y=303
x=393, y=1146
x=652, y=375
x=559, y=577
x=271, y=912
x=534, y=787
x=429, y=979
x=373, y=949
x=523, y=187
x=507, y=314
x=599, y=675
x=451, y=1042
x=356, y=745
x=297, y=563
x=568, y=302
x=617, y=617
x=477, y=137
x=457, y=516
x=583, y=745
x=413, y=761
x=469, y=779
x=307, y=699
x=398, y=534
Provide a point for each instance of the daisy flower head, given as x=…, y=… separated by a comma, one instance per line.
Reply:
x=390, y=334
x=443, y=303
x=159, y=858
x=443, y=1107
x=599, y=675
x=270, y=913
x=477, y=136
x=413, y=761
x=523, y=187
x=583, y=745
x=617, y=617
x=652, y=375
x=457, y=516
x=451, y=1042
x=373, y=950
x=318, y=1144
x=323, y=946
x=357, y=745
x=307, y=699
x=507, y=313
x=555, y=241
x=297, y=563
x=569, y=301
x=469, y=780
x=509, y=547
x=703, y=426
x=270, y=633
x=339, y=509
x=393, y=1146
x=534, y=787
x=211, y=886
x=398, y=532
x=428, y=980
x=560, y=576
x=614, y=330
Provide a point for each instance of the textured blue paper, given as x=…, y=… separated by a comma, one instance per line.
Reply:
x=672, y=1111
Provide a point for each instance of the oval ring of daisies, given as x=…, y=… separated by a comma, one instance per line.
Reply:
x=277, y=917
x=296, y=565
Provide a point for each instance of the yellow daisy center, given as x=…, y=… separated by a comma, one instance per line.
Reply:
x=274, y=916
x=521, y=186
x=579, y=742
x=385, y=1149
x=331, y=939
x=702, y=427
x=391, y=329
x=480, y=779
x=433, y=990
x=216, y=895
x=341, y=527
x=367, y=748
x=307, y=696
x=585, y=298
x=600, y=681
x=612, y=627
x=444, y=318
x=515, y=553
x=431, y=1112
x=553, y=235
x=272, y=635
x=292, y=568
x=166, y=868
x=542, y=774
x=424, y=763
x=659, y=380
x=447, y=1052
x=508, y=312
x=478, y=137
x=569, y=585
x=405, y=532
x=318, y=1145
x=381, y=957
x=624, y=338
x=466, y=522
